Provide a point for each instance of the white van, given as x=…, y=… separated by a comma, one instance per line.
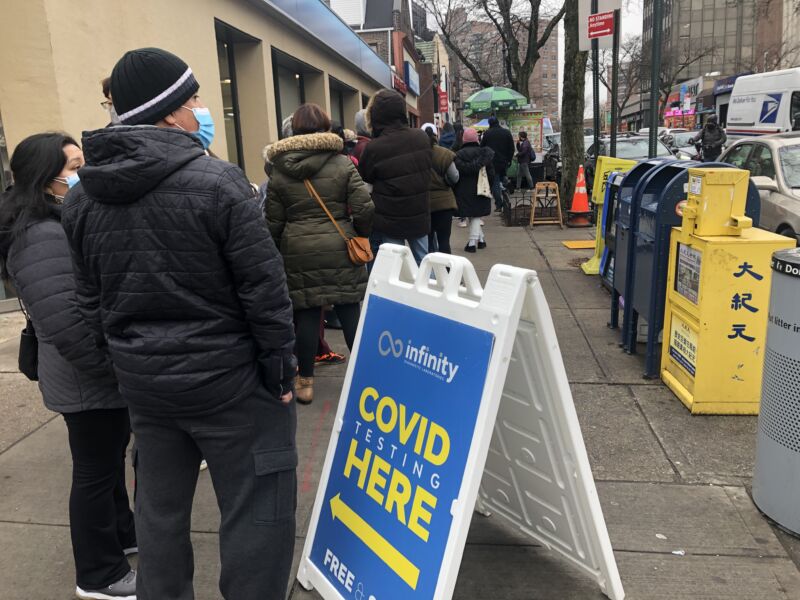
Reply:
x=764, y=103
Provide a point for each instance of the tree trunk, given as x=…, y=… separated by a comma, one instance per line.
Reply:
x=572, y=104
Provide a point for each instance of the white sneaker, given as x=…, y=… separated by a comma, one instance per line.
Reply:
x=124, y=589
x=482, y=223
x=203, y=465
x=462, y=222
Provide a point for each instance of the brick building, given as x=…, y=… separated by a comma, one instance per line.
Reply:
x=482, y=44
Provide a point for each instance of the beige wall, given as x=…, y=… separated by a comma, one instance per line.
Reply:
x=53, y=56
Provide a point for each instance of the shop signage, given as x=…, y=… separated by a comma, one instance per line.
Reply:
x=399, y=84
x=412, y=78
x=444, y=105
x=421, y=437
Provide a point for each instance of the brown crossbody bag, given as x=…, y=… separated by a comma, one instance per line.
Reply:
x=358, y=248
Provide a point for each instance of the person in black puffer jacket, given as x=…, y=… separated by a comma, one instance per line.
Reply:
x=470, y=159
x=501, y=142
x=74, y=372
x=397, y=163
x=169, y=245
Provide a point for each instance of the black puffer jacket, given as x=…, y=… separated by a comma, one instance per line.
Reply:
x=397, y=162
x=500, y=140
x=469, y=161
x=74, y=373
x=192, y=296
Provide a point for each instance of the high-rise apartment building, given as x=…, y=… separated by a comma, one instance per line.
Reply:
x=481, y=43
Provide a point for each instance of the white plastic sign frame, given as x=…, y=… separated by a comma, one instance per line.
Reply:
x=447, y=286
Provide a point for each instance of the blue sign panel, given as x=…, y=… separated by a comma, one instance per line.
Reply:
x=401, y=453
x=769, y=108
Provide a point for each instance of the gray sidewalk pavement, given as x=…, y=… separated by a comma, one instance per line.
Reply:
x=674, y=488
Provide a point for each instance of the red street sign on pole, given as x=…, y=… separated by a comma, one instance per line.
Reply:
x=601, y=25
x=443, y=104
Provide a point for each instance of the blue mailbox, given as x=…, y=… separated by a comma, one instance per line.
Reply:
x=661, y=193
x=610, y=205
x=626, y=214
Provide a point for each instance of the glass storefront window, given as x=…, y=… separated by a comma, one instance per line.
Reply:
x=230, y=103
x=289, y=91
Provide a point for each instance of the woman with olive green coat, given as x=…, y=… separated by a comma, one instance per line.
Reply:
x=318, y=269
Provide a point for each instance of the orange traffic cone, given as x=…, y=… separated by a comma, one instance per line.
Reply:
x=578, y=214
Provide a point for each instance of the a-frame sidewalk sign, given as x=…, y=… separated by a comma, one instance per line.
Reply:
x=456, y=398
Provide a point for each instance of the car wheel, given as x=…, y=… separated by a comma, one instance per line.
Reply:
x=790, y=233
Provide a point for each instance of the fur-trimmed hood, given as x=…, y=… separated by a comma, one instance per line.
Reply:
x=301, y=156
x=312, y=142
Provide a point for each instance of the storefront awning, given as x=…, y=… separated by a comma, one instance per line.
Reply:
x=322, y=26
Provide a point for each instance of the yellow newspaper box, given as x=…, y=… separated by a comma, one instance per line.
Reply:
x=718, y=287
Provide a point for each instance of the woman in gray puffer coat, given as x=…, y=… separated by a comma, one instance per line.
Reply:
x=75, y=375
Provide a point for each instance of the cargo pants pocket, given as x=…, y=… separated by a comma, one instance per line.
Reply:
x=275, y=495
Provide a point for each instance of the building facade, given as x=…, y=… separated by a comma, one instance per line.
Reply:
x=386, y=27
x=718, y=36
x=256, y=63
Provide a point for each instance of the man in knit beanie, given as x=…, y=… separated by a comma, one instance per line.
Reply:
x=176, y=270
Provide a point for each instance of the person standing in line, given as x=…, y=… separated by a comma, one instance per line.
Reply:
x=318, y=269
x=501, y=142
x=525, y=155
x=444, y=176
x=363, y=136
x=325, y=355
x=397, y=163
x=175, y=264
x=469, y=161
x=75, y=375
x=457, y=144
x=108, y=103
x=447, y=137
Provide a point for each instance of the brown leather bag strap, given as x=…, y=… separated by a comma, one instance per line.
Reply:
x=313, y=193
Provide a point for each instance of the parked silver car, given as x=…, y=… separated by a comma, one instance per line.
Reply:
x=774, y=165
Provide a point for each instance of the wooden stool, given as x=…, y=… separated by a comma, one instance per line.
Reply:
x=546, y=205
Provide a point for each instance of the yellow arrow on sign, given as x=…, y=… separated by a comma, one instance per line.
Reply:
x=398, y=563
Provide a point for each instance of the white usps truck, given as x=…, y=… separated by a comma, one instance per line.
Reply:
x=765, y=103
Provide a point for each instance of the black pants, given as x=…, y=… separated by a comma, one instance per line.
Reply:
x=100, y=518
x=252, y=459
x=306, y=325
x=441, y=226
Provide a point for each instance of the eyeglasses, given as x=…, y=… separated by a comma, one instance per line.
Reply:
x=107, y=104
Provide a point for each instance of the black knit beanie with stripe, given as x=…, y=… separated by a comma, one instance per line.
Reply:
x=150, y=83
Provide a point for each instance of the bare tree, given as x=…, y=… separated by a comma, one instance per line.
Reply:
x=497, y=41
x=779, y=55
x=572, y=104
x=675, y=61
x=630, y=71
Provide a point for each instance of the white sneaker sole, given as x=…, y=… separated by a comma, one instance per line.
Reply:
x=79, y=593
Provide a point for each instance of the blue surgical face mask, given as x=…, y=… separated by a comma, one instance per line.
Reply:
x=206, y=131
x=70, y=180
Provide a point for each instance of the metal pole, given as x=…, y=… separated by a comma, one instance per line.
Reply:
x=596, y=87
x=655, y=74
x=615, y=86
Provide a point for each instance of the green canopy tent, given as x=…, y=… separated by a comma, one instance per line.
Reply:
x=493, y=99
